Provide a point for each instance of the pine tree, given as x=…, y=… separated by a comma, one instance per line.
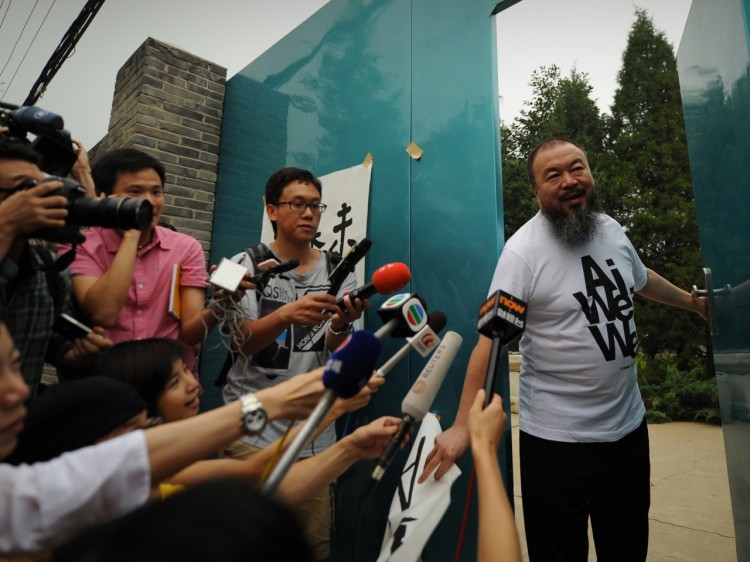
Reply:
x=648, y=185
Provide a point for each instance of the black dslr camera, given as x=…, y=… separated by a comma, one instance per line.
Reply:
x=109, y=212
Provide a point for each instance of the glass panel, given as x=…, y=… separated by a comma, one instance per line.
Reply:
x=713, y=62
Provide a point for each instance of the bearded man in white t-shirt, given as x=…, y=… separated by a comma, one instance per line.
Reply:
x=583, y=437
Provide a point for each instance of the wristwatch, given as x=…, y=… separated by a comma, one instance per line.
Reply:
x=347, y=328
x=254, y=417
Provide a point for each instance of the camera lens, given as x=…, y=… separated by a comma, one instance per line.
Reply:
x=111, y=212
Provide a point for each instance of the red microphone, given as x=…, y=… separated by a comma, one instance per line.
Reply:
x=386, y=280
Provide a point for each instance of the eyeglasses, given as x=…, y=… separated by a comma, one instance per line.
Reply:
x=300, y=206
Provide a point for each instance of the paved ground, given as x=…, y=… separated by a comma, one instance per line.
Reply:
x=691, y=515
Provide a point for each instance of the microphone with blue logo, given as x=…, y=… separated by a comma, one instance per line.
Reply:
x=348, y=369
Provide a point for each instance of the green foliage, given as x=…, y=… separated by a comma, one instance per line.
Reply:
x=649, y=186
x=672, y=394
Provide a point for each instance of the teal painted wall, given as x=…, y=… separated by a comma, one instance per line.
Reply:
x=714, y=65
x=361, y=77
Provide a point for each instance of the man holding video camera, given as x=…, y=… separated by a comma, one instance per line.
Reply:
x=123, y=279
x=33, y=292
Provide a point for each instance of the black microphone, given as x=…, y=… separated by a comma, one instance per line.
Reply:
x=402, y=315
x=347, y=264
x=423, y=341
x=283, y=267
x=386, y=280
x=418, y=401
x=348, y=369
x=502, y=317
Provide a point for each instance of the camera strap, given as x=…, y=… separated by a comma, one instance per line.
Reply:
x=45, y=262
x=64, y=261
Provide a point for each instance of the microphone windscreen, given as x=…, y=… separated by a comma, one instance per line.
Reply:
x=437, y=320
x=391, y=277
x=351, y=365
x=35, y=118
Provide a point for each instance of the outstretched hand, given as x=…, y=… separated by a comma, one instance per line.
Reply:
x=293, y=399
x=371, y=440
x=449, y=447
x=345, y=405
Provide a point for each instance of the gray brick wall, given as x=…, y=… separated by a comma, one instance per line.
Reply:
x=169, y=103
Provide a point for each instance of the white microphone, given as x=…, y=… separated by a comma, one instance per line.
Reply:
x=423, y=341
x=418, y=401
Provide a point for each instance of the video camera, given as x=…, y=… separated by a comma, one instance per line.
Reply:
x=55, y=146
x=109, y=212
x=53, y=143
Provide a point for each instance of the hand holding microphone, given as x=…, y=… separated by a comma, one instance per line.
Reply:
x=387, y=279
x=418, y=401
x=347, y=371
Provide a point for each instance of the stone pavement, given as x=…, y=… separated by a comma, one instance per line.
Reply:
x=691, y=514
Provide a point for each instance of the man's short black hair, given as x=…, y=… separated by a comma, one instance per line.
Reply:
x=281, y=178
x=11, y=150
x=111, y=164
x=549, y=141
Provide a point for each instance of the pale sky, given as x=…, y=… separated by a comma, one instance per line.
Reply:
x=590, y=34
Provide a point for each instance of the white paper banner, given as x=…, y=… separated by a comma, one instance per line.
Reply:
x=344, y=223
x=417, y=508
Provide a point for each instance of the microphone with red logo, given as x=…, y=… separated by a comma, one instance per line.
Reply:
x=386, y=280
x=418, y=401
x=423, y=341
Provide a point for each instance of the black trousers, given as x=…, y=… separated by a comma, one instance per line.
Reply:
x=563, y=484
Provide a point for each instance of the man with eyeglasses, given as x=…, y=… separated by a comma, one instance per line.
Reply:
x=291, y=324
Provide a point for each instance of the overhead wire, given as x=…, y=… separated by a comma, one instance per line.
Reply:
x=64, y=49
x=19, y=37
x=33, y=39
x=6, y=12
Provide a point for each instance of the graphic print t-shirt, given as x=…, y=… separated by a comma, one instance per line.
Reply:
x=578, y=378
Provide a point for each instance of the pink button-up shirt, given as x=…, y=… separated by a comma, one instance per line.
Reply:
x=145, y=313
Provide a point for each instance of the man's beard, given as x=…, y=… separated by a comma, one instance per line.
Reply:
x=577, y=228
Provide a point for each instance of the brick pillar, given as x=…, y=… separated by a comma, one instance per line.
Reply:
x=169, y=103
